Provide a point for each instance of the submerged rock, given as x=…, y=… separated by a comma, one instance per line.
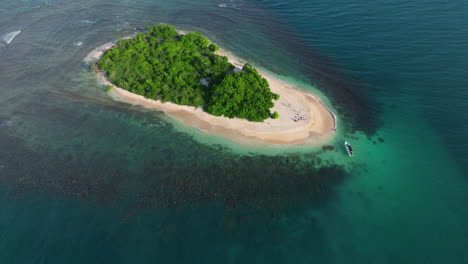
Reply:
x=328, y=147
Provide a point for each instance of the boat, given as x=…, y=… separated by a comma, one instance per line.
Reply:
x=349, y=149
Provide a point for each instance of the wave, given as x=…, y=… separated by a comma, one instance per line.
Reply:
x=223, y=5
x=8, y=37
x=7, y=123
x=85, y=21
x=123, y=25
x=78, y=43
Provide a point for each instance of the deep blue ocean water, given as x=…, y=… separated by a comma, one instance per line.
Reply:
x=84, y=179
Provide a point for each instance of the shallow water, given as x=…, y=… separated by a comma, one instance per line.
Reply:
x=85, y=179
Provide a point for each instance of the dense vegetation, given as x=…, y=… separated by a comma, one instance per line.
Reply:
x=166, y=66
x=241, y=94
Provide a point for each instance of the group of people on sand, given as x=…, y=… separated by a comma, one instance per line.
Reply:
x=298, y=117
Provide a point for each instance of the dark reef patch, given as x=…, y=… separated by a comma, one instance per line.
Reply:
x=99, y=165
x=328, y=147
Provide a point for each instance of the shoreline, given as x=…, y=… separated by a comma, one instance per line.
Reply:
x=317, y=126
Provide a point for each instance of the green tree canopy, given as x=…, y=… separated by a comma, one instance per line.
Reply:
x=163, y=65
x=243, y=94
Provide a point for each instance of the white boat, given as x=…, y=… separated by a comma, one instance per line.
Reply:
x=349, y=149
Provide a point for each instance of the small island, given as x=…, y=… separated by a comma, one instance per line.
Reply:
x=192, y=79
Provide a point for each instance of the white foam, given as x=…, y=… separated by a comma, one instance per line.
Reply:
x=8, y=37
x=229, y=6
x=78, y=43
x=7, y=123
x=87, y=21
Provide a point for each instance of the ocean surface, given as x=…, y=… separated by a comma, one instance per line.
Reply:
x=85, y=179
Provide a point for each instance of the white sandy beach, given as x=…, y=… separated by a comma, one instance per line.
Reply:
x=304, y=119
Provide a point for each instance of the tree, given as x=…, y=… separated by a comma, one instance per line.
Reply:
x=243, y=94
x=108, y=88
x=213, y=47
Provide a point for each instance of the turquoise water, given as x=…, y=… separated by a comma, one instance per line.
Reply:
x=84, y=179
